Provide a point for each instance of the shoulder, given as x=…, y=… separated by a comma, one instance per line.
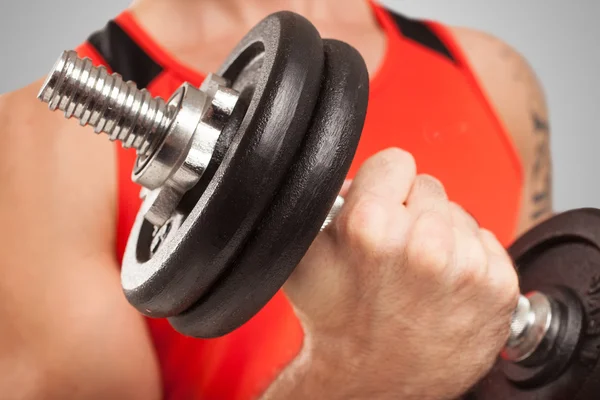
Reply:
x=43, y=147
x=518, y=97
x=509, y=81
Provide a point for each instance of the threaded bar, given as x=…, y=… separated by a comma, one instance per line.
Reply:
x=106, y=102
x=520, y=319
x=335, y=210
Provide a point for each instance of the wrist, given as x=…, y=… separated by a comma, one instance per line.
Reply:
x=316, y=371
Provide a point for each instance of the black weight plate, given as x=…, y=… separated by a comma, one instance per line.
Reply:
x=560, y=257
x=293, y=221
x=280, y=61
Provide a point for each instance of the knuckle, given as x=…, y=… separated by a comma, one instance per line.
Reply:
x=494, y=246
x=511, y=286
x=459, y=210
x=471, y=268
x=429, y=246
x=488, y=234
x=399, y=157
x=361, y=224
x=429, y=184
x=504, y=282
x=476, y=256
x=392, y=159
x=456, y=208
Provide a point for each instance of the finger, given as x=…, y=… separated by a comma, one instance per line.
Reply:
x=502, y=289
x=470, y=255
x=428, y=195
x=501, y=271
x=493, y=245
x=463, y=220
x=387, y=176
x=345, y=187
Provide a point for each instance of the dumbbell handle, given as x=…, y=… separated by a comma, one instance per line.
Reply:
x=335, y=210
x=530, y=321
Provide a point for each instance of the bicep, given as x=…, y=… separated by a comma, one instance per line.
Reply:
x=71, y=327
x=517, y=96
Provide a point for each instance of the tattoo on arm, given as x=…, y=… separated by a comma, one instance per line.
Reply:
x=542, y=169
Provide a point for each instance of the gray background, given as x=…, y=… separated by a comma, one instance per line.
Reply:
x=558, y=37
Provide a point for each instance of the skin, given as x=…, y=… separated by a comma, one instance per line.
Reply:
x=518, y=97
x=399, y=240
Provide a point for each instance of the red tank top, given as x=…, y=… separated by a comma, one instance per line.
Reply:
x=424, y=98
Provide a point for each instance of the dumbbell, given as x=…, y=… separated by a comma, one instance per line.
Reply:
x=238, y=175
x=241, y=174
x=561, y=259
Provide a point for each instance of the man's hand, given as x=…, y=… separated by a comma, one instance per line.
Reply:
x=404, y=296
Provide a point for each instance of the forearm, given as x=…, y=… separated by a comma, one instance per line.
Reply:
x=68, y=341
x=310, y=375
x=297, y=380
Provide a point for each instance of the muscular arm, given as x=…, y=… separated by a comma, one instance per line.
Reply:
x=517, y=95
x=67, y=331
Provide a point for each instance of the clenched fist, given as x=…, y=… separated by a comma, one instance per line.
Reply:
x=403, y=296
